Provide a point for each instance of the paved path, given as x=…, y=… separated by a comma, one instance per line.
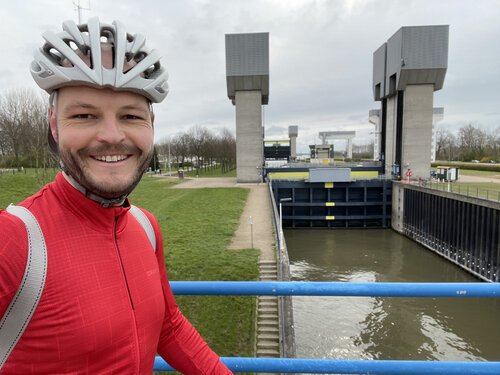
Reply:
x=258, y=206
x=494, y=178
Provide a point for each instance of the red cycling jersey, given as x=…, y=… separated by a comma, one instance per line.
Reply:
x=107, y=307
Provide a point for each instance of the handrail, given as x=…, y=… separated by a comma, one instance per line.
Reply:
x=348, y=289
x=332, y=366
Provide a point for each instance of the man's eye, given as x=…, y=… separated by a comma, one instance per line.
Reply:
x=132, y=117
x=83, y=116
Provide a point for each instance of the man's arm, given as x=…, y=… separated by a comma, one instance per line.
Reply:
x=180, y=344
x=13, y=255
x=183, y=347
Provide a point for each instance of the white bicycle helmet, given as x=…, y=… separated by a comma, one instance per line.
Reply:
x=74, y=56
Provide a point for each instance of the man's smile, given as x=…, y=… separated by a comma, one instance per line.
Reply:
x=110, y=158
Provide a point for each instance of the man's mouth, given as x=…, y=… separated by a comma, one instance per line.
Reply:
x=110, y=158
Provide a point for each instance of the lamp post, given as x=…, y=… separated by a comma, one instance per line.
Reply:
x=281, y=220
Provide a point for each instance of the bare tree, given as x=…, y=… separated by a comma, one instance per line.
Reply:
x=198, y=138
x=493, y=143
x=23, y=128
x=14, y=121
x=226, y=151
x=180, y=148
x=38, y=125
x=472, y=141
x=445, y=144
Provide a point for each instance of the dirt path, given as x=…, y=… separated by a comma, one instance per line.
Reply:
x=258, y=207
x=493, y=179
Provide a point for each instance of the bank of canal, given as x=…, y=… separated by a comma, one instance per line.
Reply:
x=385, y=328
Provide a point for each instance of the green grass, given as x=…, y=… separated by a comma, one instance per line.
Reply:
x=16, y=186
x=488, y=190
x=197, y=226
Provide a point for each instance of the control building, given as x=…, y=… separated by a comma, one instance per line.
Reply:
x=407, y=69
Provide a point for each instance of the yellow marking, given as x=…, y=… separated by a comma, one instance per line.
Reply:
x=279, y=143
x=329, y=204
x=288, y=175
x=330, y=217
x=364, y=174
x=328, y=185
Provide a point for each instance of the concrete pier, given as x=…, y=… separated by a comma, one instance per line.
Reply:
x=249, y=136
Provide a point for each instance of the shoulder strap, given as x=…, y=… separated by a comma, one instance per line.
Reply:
x=145, y=223
x=24, y=303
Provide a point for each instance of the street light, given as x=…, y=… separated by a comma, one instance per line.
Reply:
x=281, y=220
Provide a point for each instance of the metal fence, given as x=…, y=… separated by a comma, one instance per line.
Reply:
x=322, y=366
x=463, y=188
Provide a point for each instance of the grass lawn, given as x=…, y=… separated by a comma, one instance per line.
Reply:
x=488, y=190
x=15, y=187
x=197, y=226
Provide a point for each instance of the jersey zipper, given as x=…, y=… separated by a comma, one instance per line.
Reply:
x=132, y=312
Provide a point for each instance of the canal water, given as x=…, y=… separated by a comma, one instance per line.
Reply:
x=449, y=329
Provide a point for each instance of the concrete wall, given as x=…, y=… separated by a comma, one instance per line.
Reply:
x=417, y=130
x=397, y=207
x=293, y=132
x=249, y=137
x=390, y=141
x=379, y=57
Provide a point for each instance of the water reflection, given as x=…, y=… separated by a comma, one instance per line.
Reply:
x=385, y=328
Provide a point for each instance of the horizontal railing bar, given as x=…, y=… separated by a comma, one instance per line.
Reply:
x=329, y=366
x=302, y=288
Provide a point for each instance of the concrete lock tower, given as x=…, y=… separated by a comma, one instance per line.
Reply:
x=293, y=133
x=247, y=77
x=407, y=69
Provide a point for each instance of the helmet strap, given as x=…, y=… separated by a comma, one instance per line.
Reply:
x=104, y=202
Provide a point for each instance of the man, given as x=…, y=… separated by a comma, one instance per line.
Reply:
x=106, y=306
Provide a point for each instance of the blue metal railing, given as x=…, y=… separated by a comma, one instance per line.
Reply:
x=323, y=366
x=301, y=288
x=330, y=366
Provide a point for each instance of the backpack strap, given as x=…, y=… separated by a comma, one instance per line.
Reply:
x=145, y=223
x=24, y=303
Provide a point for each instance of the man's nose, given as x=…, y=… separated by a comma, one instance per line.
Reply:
x=110, y=130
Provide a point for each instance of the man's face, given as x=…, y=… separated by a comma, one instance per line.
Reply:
x=105, y=137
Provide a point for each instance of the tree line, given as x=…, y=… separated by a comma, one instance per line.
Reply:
x=23, y=138
x=199, y=148
x=469, y=143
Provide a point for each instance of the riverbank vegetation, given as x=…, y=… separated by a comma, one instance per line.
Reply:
x=470, y=142
x=197, y=225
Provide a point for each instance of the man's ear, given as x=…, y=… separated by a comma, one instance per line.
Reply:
x=53, y=124
x=153, y=119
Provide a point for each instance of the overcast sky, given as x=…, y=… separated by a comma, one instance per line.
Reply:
x=321, y=56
